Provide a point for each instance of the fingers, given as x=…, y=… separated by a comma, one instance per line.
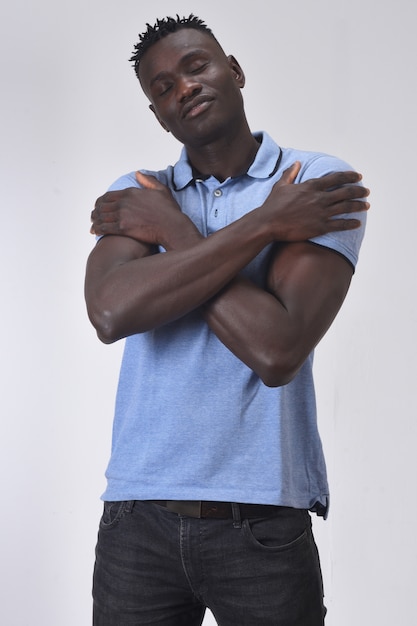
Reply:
x=348, y=206
x=103, y=214
x=349, y=192
x=149, y=182
x=325, y=183
x=342, y=193
x=289, y=175
x=339, y=224
x=347, y=199
x=103, y=224
x=336, y=179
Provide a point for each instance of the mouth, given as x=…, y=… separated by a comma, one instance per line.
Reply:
x=198, y=105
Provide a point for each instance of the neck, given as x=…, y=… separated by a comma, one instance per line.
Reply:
x=226, y=157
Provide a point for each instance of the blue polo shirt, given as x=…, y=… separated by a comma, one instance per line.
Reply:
x=192, y=422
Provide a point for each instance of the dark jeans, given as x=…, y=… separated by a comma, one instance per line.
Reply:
x=156, y=567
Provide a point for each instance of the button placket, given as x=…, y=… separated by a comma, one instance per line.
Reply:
x=214, y=212
x=217, y=193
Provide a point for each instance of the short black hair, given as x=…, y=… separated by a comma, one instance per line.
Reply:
x=162, y=28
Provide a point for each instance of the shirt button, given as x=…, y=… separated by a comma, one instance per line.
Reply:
x=218, y=193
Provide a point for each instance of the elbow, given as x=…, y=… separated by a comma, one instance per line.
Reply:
x=274, y=377
x=106, y=338
x=278, y=370
x=105, y=324
x=113, y=323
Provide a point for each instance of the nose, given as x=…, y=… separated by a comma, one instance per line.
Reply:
x=187, y=88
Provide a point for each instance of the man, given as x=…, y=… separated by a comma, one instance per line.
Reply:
x=223, y=273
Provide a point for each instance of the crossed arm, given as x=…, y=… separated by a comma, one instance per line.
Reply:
x=129, y=289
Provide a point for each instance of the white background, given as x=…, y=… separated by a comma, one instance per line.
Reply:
x=332, y=75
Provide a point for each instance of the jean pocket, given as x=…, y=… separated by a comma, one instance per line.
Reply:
x=274, y=533
x=113, y=512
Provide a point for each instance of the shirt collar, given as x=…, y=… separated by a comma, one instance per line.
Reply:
x=266, y=162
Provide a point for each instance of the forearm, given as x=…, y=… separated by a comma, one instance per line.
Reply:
x=147, y=292
x=274, y=331
x=244, y=317
x=249, y=322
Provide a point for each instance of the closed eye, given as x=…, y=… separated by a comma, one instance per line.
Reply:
x=164, y=89
x=199, y=68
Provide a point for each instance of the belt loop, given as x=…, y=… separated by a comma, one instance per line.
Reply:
x=129, y=504
x=237, y=521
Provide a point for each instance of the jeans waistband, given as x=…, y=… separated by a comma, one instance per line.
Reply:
x=217, y=510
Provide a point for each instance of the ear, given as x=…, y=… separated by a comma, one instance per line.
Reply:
x=158, y=118
x=237, y=71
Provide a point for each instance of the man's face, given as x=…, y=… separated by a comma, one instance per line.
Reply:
x=194, y=89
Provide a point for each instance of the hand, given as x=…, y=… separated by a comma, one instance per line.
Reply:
x=149, y=214
x=309, y=209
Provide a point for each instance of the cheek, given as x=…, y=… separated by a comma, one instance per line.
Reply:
x=227, y=86
x=163, y=113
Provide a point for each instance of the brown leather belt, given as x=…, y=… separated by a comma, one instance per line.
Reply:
x=217, y=510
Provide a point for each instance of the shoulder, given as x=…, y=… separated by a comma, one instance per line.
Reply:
x=315, y=165
x=129, y=180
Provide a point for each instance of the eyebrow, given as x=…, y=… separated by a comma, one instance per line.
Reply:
x=163, y=73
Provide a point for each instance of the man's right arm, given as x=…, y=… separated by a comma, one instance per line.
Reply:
x=129, y=290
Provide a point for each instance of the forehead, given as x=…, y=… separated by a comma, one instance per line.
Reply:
x=171, y=49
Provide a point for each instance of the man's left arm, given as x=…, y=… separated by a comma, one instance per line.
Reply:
x=274, y=331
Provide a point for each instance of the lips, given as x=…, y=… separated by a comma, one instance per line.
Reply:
x=196, y=106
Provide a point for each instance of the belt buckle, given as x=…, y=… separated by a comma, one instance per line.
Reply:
x=190, y=508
